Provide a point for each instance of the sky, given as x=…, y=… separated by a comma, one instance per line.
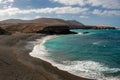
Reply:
x=89, y=12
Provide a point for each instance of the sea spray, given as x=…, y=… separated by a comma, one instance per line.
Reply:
x=89, y=61
x=39, y=50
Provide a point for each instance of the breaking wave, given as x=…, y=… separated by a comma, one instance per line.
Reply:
x=87, y=69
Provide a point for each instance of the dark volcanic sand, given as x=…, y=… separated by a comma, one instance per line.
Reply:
x=16, y=64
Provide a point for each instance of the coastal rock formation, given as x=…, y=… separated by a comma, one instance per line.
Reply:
x=56, y=30
x=45, y=25
x=37, y=28
x=2, y=31
x=99, y=27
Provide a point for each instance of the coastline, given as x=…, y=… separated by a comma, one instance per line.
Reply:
x=17, y=64
x=44, y=55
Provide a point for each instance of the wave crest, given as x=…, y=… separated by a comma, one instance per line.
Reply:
x=87, y=69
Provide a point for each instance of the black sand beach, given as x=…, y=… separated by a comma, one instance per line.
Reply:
x=17, y=64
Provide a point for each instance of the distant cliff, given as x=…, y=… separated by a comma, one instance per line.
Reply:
x=45, y=25
x=99, y=27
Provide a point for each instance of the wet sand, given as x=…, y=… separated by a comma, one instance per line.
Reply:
x=17, y=64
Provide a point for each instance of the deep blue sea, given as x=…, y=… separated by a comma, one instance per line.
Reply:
x=93, y=55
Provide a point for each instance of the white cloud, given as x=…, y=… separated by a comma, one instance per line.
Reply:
x=9, y=11
x=70, y=2
x=110, y=4
x=56, y=10
x=6, y=3
x=69, y=10
x=59, y=10
x=37, y=16
x=106, y=12
x=83, y=16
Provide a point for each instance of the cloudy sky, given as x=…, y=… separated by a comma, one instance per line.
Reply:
x=95, y=12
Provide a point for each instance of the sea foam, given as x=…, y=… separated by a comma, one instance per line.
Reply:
x=87, y=69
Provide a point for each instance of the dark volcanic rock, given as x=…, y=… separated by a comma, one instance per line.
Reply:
x=99, y=27
x=85, y=32
x=56, y=30
x=2, y=31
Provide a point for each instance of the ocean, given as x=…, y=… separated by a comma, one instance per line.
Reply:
x=93, y=54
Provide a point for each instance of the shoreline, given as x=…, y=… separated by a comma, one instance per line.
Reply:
x=39, y=51
x=17, y=64
x=42, y=54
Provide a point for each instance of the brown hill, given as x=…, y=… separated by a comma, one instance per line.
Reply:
x=49, y=21
x=36, y=28
x=45, y=25
x=14, y=21
x=46, y=22
x=73, y=24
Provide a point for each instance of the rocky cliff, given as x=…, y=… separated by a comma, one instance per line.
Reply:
x=58, y=29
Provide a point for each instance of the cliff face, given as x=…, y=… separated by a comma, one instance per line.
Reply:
x=56, y=30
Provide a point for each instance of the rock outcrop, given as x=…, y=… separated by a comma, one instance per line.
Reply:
x=3, y=32
x=99, y=27
x=56, y=30
x=45, y=25
x=37, y=28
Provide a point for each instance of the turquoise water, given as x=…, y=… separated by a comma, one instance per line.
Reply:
x=93, y=55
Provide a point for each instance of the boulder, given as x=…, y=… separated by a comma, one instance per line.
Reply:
x=3, y=32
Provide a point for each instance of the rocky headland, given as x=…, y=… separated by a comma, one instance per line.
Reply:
x=45, y=25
